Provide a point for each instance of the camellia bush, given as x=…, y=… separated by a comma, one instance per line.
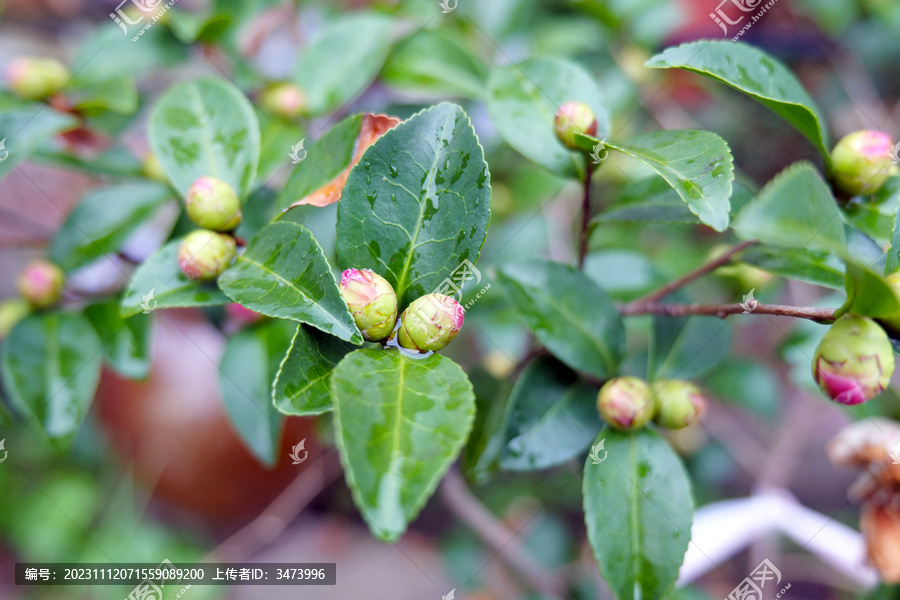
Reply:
x=369, y=271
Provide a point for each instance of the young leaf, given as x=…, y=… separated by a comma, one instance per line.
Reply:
x=868, y=294
x=795, y=210
x=126, y=342
x=551, y=418
x=103, y=221
x=686, y=347
x=206, y=127
x=418, y=203
x=159, y=283
x=302, y=385
x=283, y=273
x=638, y=511
x=249, y=364
x=399, y=424
x=812, y=266
x=522, y=100
x=755, y=73
x=568, y=313
x=24, y=130
x=51, y=366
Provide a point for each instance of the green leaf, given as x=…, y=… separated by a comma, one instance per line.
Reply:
x=686, y=347
x=103, y=221
x=418, y=203
x=257, y=213
x=159, y=282
x=697, y=164
x=638, y=511
x=653, y=200
x=795, y=210
x=249, y=364
x=303, y=384
x=522, y=100
x=116, y=161
x=324, y=161
x=481, y=455
x=812, y=266
x=434, y=64
x=190, y=27
x=343, y=60
x=755, y=73
x=206, y=128
x=868, y=294
x=568, y=313
x=892, y=261
x=126, y=342
x=277, y=137
x=399, y=424
x=23, y=131
x=108, y=53
x=551, y=418
x=284, y=273
x=751, y=385
x=51, y=366
x=118, y=94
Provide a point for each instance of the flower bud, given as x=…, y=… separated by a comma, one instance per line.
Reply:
x=430, y=323
x=862, y=162
x=204, y=254
x=371, y=301
x=854, y=361
x=11, y=312
x=41, y=283
x=36, y=78
x=572, y=118
x=284, y=100
x=678, y=403
x=625, y=403
x=213, y=204
x=893, y=280
x=153, y=169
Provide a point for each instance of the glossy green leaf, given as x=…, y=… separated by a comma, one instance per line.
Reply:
x=277, y=137
x=325, y=160
x=431, y=63
x=399, y=424
x=685, y=347
x=24, y=130
x=551, y=418
x=159, y=283
x=481, y=456
x=638, y=511
x=343, y=60
x=118, y=94
x=568, y=313
x=418, y=203
x=51, y=366
x=283, y=273
x=126, y=342
x=303, y=383
x=812, y=266
x=103, y=221
x=868, y=294
x=190, y=27
x=522, y=100
x=795, y=210
x=892, y=260
x=755, y=73
x=249, y=364
x=258, y=211
x=206, y=127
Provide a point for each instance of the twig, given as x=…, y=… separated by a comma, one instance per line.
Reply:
x=585, y=211
x=723, y=310
x=696, y=273
x=495, y=535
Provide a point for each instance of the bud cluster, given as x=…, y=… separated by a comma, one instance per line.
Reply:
x=630, y=403
x=212, y=204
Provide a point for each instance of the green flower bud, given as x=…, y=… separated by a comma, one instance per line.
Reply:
x=893, y=280
x=371, y=301
x=11, y=312
x=572, y=118
x=213, y=204
x=854, y=361
x=284, y=100
x=625, y=403
x=36, y=78
x=204, y=254
x=430, y=323
x=862, y=162
x=678, y=403
x=41, y=283
x=153, y=169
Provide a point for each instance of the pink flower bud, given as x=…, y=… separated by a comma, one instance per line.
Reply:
x=854, y=361
x=624, y=402
x=41, y=283
x=213, y=204
x=371, y=301
x=572, y=118
x=862, y=162
x=204, y=255
x=430, y=323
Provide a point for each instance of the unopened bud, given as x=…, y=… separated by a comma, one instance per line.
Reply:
x=213, y=204
x=862, y=162
x=430, y=323
x=204, y=255
x=625, y=403
x=11, y=312
x=854, y=361
x=371, y=301
x=36, y=78
x=41, y=283
x=572, y=118
x=284, y=100
x=678, y=403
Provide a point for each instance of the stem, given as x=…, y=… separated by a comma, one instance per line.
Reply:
x=723, y=310
x=696, y=273
x=585, y=211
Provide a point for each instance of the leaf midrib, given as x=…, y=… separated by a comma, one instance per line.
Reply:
x=635, y=510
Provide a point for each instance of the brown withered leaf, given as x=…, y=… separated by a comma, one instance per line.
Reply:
x=373, y=127
x=870, y=445
x=881, y=527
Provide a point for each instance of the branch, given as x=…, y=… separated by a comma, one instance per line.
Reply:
x=585, y=211
x=723, y=310
x=696, y=273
